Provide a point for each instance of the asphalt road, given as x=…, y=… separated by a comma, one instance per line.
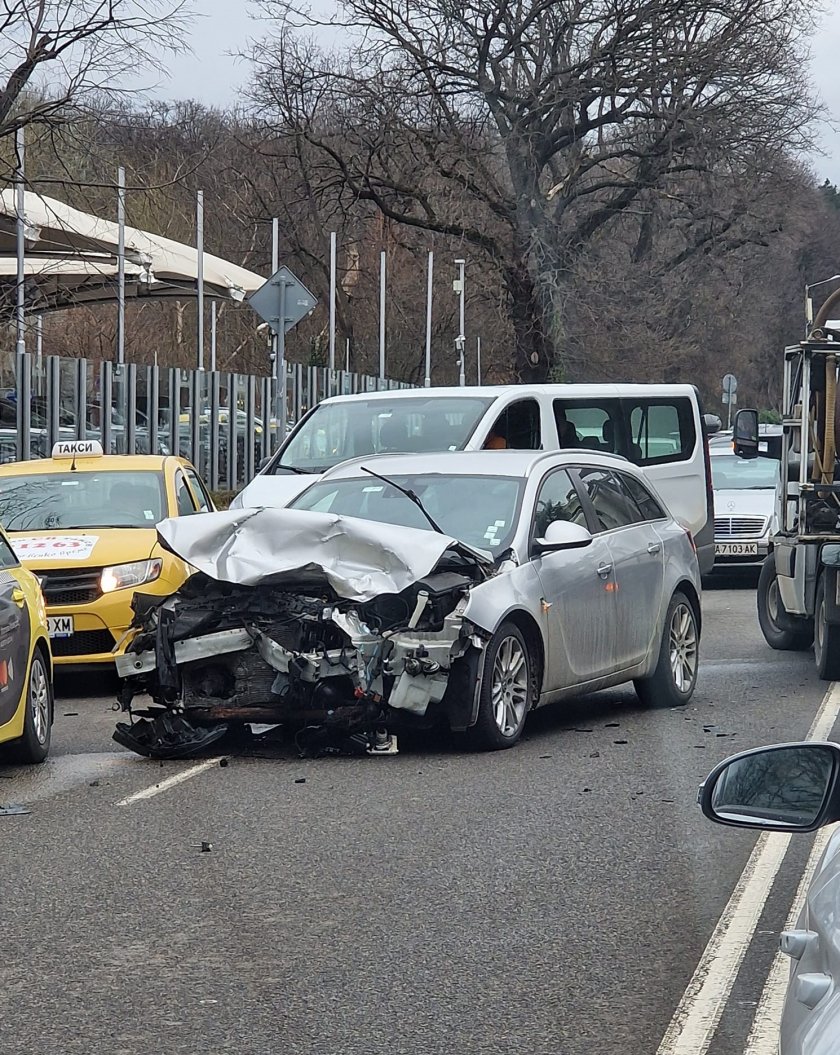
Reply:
x=550, y=900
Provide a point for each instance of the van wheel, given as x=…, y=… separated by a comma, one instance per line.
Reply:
x=507, y=691
x=826, y=638
x=34, y=746
x=781, y=631
x=675, y=675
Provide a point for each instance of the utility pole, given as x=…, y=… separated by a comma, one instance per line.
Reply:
x=429, y=277
x=460, y=340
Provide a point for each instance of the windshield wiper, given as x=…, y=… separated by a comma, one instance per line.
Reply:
x=294, y=469
x=408, y=494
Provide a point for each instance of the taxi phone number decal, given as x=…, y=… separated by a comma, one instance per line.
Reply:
x=60, y=547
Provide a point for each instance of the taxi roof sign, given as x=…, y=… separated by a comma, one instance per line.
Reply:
x=77, y=449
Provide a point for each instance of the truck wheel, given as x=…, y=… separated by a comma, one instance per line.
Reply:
x=826, y=638
x=781, y=631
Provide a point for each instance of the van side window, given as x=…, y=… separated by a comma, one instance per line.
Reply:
x=519, y=426
x=661, y=431
x=596, y=427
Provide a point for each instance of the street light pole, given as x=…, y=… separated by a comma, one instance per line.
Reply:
x=460, y=340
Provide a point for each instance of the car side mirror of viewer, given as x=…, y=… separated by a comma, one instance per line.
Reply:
x=560, y=535
x=787, y=787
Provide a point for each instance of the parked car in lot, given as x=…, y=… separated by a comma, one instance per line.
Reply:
x=745, y=507
x=85, y=523
x=660, y=428
x=26, y=698
x=467, y=588
x=794, y=788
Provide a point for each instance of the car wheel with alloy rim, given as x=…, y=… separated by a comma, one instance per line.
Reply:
x=507, y=690
x=34, y=745
x=673, y=680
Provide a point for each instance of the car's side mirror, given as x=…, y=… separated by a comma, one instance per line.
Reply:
x=789, y=787
x=559, y=535
x=745, y=434
x=712, y=424
x=263, y=463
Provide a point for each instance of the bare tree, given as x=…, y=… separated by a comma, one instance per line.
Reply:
x=527, y=128
x=59, y=56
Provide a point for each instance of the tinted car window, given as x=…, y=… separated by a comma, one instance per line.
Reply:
x=661, y=430
x=614, y=508
x=558, y=499
x=596, y=427
x=648, y=506
x=519, y=426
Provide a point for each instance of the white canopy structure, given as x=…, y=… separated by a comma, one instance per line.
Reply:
x=72, y=258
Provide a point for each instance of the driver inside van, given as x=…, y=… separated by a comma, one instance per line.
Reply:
x=495, y=441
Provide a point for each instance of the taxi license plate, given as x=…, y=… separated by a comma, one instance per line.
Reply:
x=736, y=549
x=60, y=625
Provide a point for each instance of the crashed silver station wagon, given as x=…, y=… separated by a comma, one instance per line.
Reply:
x=457, y=588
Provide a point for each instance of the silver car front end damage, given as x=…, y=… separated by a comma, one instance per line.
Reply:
x=318, y=648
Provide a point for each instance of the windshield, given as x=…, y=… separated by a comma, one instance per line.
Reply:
x=478, y=510
x=353, y=429
x=731, y=473
x=80, y=499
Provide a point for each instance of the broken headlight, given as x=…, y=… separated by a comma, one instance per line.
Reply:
x=122, y=576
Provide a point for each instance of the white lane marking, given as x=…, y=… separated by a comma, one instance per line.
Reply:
x=764, y=1033
x=692, y=1028
x=170, y=782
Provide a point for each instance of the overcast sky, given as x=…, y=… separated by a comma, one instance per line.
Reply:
x=212, y=75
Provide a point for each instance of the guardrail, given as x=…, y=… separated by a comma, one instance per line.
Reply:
x=134, y=409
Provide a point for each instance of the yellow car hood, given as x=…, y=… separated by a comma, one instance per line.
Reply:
x=83, y=548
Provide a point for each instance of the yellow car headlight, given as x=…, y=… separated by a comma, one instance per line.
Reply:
x=123, y=576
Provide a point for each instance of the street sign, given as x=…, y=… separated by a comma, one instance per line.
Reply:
x=283, y=294
x=730, y=384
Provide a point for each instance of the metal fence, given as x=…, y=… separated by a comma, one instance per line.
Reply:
x=222, y=422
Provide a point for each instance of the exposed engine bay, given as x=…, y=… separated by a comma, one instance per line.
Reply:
x=336, y=672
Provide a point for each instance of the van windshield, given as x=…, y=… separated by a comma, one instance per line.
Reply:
x=360, y=427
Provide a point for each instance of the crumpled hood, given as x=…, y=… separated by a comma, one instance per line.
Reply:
x=359, y=559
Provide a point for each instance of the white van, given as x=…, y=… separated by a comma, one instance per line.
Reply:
x=658, y=427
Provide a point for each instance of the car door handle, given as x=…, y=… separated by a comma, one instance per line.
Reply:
x=654, y=547
x=604, y=570
x=19, y=597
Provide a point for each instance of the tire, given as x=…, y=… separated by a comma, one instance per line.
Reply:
x=826, y=639
x=34, y=746
x=675, y=675
x=507, y=691
x=781, y=631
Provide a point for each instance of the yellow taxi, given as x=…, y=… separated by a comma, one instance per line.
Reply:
x=84, y=523
x=26, y=698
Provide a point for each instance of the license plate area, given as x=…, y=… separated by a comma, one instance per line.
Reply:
x=61, y=625
x=736, y=549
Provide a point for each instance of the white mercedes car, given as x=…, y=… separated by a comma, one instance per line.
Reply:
x=745, y=507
